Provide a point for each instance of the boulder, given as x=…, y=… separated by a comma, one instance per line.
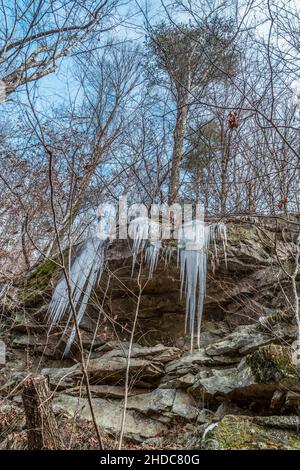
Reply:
x=108, y=416
x=106, y=391
x=184, y=406
x=146, y=363
x=159, y=352
x=112, y=370
x=169, y=403
x=158, y=401
x=190, y=362
x=243, y=340
x=258, y=375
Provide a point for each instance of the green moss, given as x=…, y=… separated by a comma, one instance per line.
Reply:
x=39, y=280
x=282, y=317
x=240, y=432
x=272, y=363
x=240, y=232
x=44, y=270
x=234, y=433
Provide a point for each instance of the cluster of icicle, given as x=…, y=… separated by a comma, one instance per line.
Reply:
x=195, y=238
x=87, y=267
x=85, y=273
x=193, y=249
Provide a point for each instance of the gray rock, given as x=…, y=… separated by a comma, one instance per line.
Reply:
x=158, y=401
x=106, y=391
x=159, y=353
x=292, y=399
x=108, y=416
x=258, y=375
x=228, y=408
x=205, y=416
x=169, y=403
x=242, y=341
x=184, y=406
x=61, y=378
x=111, y=369
x=145, y=363
x=189, y=363
x=183, y=381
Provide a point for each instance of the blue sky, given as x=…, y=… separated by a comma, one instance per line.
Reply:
x=61, y=86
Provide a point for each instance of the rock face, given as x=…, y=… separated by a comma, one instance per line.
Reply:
x=257, y=375
x=241, y=390
x=108, y=415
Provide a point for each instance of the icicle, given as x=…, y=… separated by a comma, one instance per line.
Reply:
x=193, y=253
x=223, y=236
x=139, y=231
x=168, y=252
x=86, y=270
x=219, y=232
x=145, y=234
x=193, y=246
x=152, y=255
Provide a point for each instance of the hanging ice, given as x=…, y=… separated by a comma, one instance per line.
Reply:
x=145, y=234
x=152, y=255
x=138, y=231
x=194, y=241
x=168, y=252
x=85, y=273
x=88, y=263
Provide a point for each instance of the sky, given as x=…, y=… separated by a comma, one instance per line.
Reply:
x=61, y=87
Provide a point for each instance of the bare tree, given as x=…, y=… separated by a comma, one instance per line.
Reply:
x=35, y=35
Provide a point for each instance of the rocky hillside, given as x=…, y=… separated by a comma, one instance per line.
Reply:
x=241, y=390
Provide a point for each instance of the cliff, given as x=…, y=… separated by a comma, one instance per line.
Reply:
x=240, y=390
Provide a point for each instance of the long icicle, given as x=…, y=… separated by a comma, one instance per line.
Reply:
x=85, y=273
x=193, y=249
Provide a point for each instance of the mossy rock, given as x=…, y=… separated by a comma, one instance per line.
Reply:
x=273, y=363
x=40, y=281
x=243, y=433
x=237, y=233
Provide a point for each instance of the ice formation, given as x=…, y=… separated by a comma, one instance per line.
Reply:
x=194, y=241
x=168, y=252
x=145, y=235
x=195, y=238
x=85, y=273
x=152, y=255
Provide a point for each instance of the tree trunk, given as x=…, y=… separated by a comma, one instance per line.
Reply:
x=42, y=430
x=179, y=133
x=224, y=170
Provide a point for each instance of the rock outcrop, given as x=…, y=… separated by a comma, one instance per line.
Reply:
x=241, y=390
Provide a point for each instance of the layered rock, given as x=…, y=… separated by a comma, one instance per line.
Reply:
x=242, y=380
